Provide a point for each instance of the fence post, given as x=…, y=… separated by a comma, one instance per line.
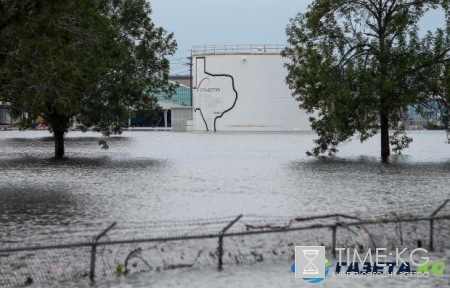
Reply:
x=221, y=234
x=93, y=254
x=431, y=234
x=333, y=246
x=432, y=223
x=94, y=250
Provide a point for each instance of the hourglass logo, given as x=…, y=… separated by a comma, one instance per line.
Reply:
x=309, y=262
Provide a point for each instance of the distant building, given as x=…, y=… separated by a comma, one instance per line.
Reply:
x=5, y=118
x=424, y=117
x=181, y=101
x=181, y=79
x=182, y=97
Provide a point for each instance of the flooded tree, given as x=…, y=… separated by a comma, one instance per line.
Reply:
x=81, y=63
x=360, y=64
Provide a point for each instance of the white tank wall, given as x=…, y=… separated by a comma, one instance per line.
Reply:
x=264, y=100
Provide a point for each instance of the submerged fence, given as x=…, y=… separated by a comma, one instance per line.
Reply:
x=154, y=247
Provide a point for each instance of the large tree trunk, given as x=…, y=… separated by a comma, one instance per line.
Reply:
x=385, y=148
x=59, y=143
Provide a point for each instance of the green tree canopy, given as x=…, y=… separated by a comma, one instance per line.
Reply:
x=358, y=64
x=82, y=62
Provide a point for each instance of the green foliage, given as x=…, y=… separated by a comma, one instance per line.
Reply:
x=82, y=62
x=355, y=63
x=120, y=270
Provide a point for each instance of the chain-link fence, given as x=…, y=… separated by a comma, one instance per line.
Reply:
x=121, y=250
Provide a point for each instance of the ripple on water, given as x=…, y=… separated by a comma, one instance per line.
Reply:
x=147, y=176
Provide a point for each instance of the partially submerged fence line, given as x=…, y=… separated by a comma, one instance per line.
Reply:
x=221, y=235
x=94, y=249
x=233, y=234
x=333, y=222
x=433, y=215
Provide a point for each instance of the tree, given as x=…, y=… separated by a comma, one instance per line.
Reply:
x=359, y=63
x=83, y=63
x=12, y=13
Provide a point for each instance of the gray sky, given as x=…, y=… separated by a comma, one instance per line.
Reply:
x=206, y=22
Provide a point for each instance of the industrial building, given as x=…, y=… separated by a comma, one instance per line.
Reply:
x=243, y=88
x=420, y=117
x=239, y=88
x=5, y=118
x=180, y=101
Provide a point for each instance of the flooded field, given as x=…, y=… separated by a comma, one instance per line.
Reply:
x=262, y=275
x=163, y=176
x=148, y=176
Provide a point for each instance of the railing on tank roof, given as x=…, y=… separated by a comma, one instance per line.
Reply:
x=238, y=49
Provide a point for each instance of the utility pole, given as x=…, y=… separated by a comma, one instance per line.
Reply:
x=191, y=80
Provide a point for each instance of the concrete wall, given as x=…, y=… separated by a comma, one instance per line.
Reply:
x=180, y=118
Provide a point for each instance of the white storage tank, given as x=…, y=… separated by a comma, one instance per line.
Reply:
x=243, y=88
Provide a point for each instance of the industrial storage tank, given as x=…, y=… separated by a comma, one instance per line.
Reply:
x=243, y=88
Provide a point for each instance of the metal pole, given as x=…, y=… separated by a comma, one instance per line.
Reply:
x=221, y=234
x=333, y=247
x=93, y=254
x=191, y=80
x=432, y=223
x=220, y=252
x=431, y=234
x=440, y=208
x=94, y=250
x=165, y=119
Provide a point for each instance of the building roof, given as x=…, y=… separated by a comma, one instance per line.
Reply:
x=237, y=49
x=168, y=106
x=182, y=98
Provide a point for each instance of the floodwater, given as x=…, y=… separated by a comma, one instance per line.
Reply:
x=263, y=275
x=163, y=176
x=152, y=176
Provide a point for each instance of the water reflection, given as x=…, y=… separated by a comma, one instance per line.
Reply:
x=148, y=176
x=26, y=201
x=38, y=193
x=28, y=209
x=39, y=144
x=104, y=162
x=369, y=186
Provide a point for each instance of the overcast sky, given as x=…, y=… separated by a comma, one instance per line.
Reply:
x=206, y=22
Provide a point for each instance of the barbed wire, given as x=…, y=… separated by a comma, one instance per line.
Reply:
x=155, y=246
